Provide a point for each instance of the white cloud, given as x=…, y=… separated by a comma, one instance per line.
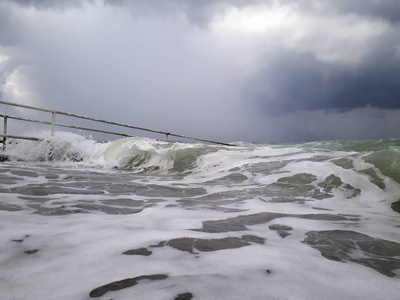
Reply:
x=16, y=88
x=3, y=57
x=330, y=37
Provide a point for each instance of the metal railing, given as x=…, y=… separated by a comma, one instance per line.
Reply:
x=53, y=124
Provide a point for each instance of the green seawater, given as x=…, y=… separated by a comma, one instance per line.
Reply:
x=383, y=154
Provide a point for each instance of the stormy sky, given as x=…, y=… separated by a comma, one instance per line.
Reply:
x=239, y=70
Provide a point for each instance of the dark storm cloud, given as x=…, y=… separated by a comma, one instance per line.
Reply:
x=202, y=11
x=197, y=12
x=296, y=81
x=8, y=27
x=384, y=9
x=232, y=70
x=50, y=4
x=291, y=82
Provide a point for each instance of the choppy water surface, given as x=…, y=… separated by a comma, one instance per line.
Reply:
x=142, y=219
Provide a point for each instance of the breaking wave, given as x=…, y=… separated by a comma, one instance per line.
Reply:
x=138, y=154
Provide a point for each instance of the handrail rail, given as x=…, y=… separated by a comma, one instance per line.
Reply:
x=19, y=137
x=65, y=125
x=54, y=112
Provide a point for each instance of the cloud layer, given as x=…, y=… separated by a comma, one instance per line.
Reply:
x=265, y=71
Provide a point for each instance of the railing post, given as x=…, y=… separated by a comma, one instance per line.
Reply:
x=4, y=131
x=53, y=120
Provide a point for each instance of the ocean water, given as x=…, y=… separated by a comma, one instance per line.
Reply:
x=138, y=218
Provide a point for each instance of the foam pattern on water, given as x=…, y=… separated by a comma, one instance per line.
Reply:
x=139, y=218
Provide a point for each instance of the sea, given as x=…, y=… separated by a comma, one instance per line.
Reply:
x=138, y=218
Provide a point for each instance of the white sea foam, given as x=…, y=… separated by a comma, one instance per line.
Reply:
x=88, y=202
